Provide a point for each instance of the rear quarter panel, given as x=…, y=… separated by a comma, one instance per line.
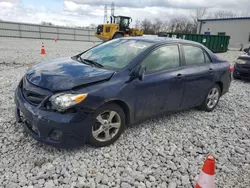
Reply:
x=223, y=75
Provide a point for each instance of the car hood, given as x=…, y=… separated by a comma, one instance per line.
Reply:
x=244, y=56
x=65, y=74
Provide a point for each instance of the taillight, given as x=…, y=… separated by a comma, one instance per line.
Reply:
x=231, y=68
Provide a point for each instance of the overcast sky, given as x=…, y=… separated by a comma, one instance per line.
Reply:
x=85, y=12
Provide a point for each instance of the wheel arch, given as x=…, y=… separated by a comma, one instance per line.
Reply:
x=118, y=32
x=220, y=84
x=124, y=106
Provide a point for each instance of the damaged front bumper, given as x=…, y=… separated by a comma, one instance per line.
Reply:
x=57, y=129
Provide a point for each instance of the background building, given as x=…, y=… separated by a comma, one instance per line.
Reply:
x=237, y=28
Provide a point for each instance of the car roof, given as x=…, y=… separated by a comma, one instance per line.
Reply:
x=160, y=40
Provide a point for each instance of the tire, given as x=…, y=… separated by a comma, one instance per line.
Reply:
x=210, y=106
x=103, y=127
x=117, y=35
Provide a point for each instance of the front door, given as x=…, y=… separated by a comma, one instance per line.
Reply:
x=161, y=89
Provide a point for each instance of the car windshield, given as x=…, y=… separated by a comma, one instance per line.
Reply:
x=116, y=54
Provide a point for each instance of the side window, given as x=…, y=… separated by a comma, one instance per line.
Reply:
x=193, y=55
x=166, y=57
x=207, y=58
x=221, y=33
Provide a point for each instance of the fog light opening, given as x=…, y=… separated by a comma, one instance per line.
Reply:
x=56, y=135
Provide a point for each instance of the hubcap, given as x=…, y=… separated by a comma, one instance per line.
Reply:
x=212, y=98
x=107, y=126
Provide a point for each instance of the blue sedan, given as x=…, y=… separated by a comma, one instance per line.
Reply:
x=91, y=97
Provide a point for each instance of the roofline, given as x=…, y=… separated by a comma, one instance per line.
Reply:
x=219, y=19
x=122, y=16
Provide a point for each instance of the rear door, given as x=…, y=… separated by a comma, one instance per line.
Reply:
x=199, y=75
x=162, y=87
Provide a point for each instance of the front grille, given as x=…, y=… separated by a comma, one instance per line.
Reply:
x=246, y=67
x=32, y=97
x=245, y=74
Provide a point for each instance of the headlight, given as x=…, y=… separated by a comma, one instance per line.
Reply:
x=240, y=61
x=62, y=102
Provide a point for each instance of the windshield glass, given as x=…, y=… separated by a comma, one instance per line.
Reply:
x=125, y=21
x=117, y=20
x=116, y=54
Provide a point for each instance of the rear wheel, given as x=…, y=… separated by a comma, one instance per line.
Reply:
x=117, y=35
x=212, y=98
x=108, y=126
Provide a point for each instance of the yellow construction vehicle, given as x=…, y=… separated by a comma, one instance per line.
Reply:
x=117, y=28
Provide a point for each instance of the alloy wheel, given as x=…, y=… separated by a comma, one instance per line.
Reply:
x=107, y=126
x=213, y=98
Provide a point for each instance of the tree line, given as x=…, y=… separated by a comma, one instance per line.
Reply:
x=184, y=24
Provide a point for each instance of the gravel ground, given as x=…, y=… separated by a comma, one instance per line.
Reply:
x=163, y=152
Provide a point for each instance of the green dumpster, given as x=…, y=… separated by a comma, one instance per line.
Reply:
x=216, y=43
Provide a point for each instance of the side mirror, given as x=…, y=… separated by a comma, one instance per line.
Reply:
x=141, y=73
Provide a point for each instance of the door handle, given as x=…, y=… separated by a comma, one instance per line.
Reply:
x=210, y=70
x=179, y=76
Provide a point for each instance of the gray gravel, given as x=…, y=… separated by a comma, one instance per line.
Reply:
x=163, y=152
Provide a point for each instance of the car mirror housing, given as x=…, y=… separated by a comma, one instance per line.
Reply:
x=141, y=73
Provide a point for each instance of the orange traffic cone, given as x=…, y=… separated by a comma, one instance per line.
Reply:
x=207, y=176
x=43, y=50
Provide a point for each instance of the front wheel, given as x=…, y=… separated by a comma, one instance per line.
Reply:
x=212, y=98
x=108, y=126
x=117, y=35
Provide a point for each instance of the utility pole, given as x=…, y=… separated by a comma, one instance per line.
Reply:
x=137, y=24
x=105, y=14
x=112, y=9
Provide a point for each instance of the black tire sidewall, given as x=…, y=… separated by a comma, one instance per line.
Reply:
x=117, y=36
x=114, y=107
x=204, y=104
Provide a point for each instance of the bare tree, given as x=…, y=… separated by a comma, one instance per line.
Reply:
x=244, y=14
x=92, y=26
x=156, y=26
x=196, y=14
x=223, y=14
x=181, y=25
x=147, y=26
x=165, y=26
x=46, y=23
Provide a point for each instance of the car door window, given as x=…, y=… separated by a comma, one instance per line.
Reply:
x=165, y=57
x=207, y=58
x=194, y=55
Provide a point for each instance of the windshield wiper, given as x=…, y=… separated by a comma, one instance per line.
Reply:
x=82, y=60
x=93, y=62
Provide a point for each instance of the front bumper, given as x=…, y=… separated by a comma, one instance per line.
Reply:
x=242, y=72
x=42, y=124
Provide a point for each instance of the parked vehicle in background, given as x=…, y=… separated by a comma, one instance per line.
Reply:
x=242, y=67
x=92, y=96
x=118, y=27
